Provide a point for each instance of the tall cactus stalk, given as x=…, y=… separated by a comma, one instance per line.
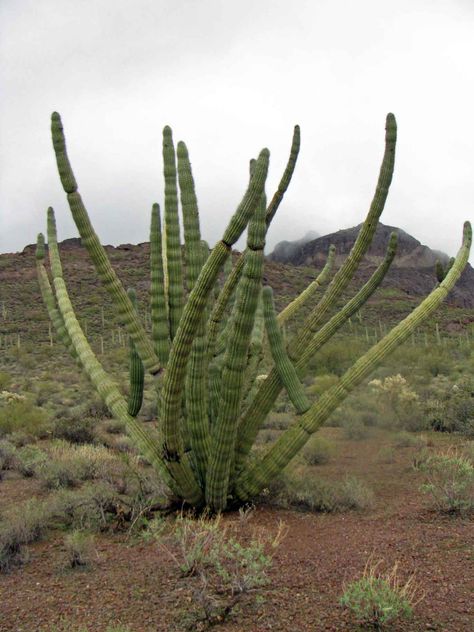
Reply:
x=206, y=348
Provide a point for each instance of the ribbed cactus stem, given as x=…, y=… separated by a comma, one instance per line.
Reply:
x=272, y=385
x=49, y=300
x=136, y=371
x=97, y=253
x=189, y=206
x=439, y=270
x=283, y=364
x=159, y=308
x=292, y=440
x=346, y=272
x=306, y=295
x=224, y=431
x=106, y=388
x=175, y=375
x=174, y=261
x=234, y=276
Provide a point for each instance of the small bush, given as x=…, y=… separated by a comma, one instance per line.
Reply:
x=224, y=568
x=377, y=599
x=22, y=525
x=28, y=459
x=449, y=480
x=80, y=548
x=308, y=492
x=355, y=429
x=317, y=451
x=407, y=440
x=74, y=430
x=19, y=414
x=7, y=454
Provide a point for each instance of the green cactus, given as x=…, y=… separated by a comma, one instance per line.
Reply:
x=137, y=371
x=211, y=405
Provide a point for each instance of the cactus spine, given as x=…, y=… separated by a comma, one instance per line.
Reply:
x=211, y=404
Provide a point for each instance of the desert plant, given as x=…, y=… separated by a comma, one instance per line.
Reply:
x=23, y=524
x=205, y=352
x=225, y=568
x=80, y=548
x=449, y=480
x=317, y=451
x=377, y=598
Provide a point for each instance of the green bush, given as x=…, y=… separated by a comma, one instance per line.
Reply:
x=302, y=490
x=449, y=480
x=408, y=440
x=378, y=599
x=355, y=429
x=74, y=430
x=19, y=414
x=318, y=450
x=22, y=524
x=28, y=459
x=80, y=548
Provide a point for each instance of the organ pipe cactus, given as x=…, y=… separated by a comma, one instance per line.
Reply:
x=208, y=340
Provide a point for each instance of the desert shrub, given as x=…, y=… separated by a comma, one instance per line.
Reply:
x=449, y=480
x=20, y=438
x=19, y=414
x=68, y=464
x=5, y=379
x=91, y=508
x=451, y=406
x=308, y=492
x=224, y=569
x=28, y=459
x=398, y=404
x=80, y=548
x=74, y=430
x=21, y=525
x=337, y=356
x=7, y=454
x=113, y=426
x=378, y=599
x=318, y=450
x=408, y=440
x=321, y=383
x=355, y=429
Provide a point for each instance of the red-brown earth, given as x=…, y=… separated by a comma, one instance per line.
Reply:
x=135, y=583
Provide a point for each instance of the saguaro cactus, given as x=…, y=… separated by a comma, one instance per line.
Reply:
x=206, y=343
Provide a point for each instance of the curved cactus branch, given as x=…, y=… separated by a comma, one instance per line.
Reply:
x=137, y=372
x=106, y=388
x=271, y=387
x=97, y=253
x=292, y=440
x=174, y=264
x=306, y=295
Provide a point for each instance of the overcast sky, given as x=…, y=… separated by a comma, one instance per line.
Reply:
x=230, y=77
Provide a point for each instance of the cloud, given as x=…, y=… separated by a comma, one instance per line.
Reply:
x=230, y=78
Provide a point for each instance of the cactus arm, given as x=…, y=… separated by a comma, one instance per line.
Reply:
x=307, y=294
x=286, y=177
x=175, y=375
x=234, y=276
x=224, y=431
x=189, y=205
x=159, y=314
x=345, y=273
x=197, y=396
x=174, y=265
x=255, y=349
x=271, y=387
x=49, y=300
x=97, y=253
x=106, y=388
x=252, y=481
x=283, y=364
x=137, y=372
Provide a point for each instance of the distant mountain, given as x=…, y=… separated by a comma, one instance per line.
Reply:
x=287, y=250
x=411, y=271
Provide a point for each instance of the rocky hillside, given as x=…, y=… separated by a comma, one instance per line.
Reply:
x=412, y=270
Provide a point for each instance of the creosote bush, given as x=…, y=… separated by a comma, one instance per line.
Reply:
x=208, y=337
